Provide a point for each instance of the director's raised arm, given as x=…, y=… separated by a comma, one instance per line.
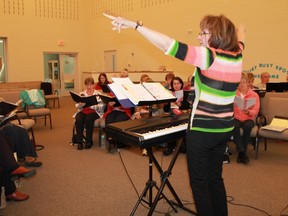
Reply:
x=160, y=40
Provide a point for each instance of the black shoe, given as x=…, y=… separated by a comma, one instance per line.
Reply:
x=245, y=158
x=226, y=159
x=88, y=145
x=240, y=158
x=168, y=151
x=80, y=146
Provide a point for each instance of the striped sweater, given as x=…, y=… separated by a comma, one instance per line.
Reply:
x=217, y=75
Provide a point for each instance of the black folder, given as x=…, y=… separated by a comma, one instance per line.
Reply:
x=7, y=107
x=88, y=100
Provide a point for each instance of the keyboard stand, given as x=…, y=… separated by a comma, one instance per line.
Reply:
x=150, y=184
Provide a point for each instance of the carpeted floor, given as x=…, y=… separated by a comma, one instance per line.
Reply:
x=94, y=182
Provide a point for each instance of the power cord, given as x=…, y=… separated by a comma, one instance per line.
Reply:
x=244, y=205
x=230, y=199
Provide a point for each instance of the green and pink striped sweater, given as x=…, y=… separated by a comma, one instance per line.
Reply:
x=217, y=75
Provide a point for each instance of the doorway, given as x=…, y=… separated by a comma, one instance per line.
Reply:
x=61, y=70
x=110, y=60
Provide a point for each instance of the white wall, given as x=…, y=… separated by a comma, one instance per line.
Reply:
x=31, y=30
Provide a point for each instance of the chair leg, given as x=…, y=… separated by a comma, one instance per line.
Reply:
x=50, y=121
x=256, y=147
x=73, y=133
x=33, y=137
x=265, y=144
x=99, y=135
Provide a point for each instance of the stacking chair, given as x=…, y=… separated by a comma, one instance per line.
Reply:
x=276, y=107
x=49, y=94
x=254, y=136
x=35, y=105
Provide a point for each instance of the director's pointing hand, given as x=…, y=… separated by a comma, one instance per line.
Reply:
x=120, y=23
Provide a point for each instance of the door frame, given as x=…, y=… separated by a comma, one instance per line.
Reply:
x=76, y=67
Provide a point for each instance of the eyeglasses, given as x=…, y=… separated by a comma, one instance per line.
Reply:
x=203, y=33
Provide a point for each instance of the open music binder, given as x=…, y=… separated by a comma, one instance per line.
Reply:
x=130, y=95
x=8, y=110
x=7, y=107
x=244, y=104
x=106, y=98
x=88, y=100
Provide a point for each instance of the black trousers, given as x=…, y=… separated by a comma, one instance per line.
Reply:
x=85, y=121
x=242, y=141
x=23, y=146
x=7, y=163
x=205, y=160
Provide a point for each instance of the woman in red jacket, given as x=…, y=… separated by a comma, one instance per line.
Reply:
x=245, y=112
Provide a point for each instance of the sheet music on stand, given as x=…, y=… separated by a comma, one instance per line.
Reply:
x=130, y=95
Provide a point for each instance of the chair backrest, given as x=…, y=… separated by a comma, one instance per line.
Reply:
x=33, y=97
x=277, y=107
x=266, y=100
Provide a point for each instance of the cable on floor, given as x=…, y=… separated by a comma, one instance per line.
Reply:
x=244, y=205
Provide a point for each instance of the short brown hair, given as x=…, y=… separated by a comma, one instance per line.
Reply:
x=89, y=80
x=169, y=75
x=223, y=32
x=144, y=77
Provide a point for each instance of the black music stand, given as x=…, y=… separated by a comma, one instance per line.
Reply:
x=164, y=181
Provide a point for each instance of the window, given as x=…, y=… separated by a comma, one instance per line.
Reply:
x=2, y=60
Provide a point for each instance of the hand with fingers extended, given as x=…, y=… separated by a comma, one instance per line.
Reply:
x=120, y=23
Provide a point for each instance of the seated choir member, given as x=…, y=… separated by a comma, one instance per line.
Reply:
x=22, y=143
x=117, y=113
x=86, y=116
x=168, y=78
x=102, y=81
x=244, y=118
x=264, y=79
x=176, y=85
x=11, y=169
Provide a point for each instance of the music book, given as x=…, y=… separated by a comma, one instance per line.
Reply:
x=243, y=103
x=277, y=124
x=7, y=107
x=88, y=100
x=129, y=94
x=8, y=110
